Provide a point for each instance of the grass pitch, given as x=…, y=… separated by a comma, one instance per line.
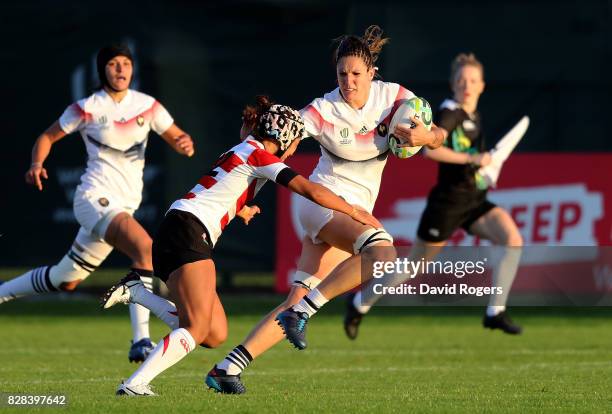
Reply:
x=405, y=360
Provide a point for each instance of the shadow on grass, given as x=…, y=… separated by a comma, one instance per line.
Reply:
x=257, y=304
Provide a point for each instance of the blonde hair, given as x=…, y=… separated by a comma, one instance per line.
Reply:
x=367, y=47
x=465, y=59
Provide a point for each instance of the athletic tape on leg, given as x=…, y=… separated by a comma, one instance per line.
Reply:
x=305, y=280
x=85, y=255
x=370, y=238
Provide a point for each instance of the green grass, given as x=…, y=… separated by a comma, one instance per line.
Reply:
x=405, y=360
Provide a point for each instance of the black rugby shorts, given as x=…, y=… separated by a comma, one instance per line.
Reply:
x=181, y=239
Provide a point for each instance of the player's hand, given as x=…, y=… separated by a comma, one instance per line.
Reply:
x=416, y=136
x=366, y=218
x=34, y=174
x=481, y=160
x=291, y=150
x=247, y=213
x=184, y=145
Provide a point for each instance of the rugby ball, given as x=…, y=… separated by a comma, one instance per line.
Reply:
x=418, y=107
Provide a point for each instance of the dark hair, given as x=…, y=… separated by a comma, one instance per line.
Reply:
x=252, y=113
x=107, y=53
x=367, y=47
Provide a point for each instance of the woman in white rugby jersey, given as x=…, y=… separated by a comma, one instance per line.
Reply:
x=182, y=249
x=114, y=122
x=351, y=125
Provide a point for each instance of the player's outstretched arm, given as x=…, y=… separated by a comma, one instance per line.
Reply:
x=445, y=154
x=326, y=198
x=40, y=152
x=179, y=140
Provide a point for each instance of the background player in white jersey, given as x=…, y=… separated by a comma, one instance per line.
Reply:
x=114, y=123
x=459, y=199
x=182, y=250
x=351, y=125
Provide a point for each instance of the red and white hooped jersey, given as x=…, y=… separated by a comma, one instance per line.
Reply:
x=234, y=180
x=354, y=145
x=115, y=135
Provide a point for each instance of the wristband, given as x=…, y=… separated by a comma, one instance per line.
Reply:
x=36, y=164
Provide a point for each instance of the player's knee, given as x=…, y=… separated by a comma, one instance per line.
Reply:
x=375, y=245
x=199, y=328
x=514, y=239
x=198, y=332
x=215, y=339
x=372, y=237
x=74, y=267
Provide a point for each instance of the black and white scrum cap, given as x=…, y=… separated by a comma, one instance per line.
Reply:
x=282, y=123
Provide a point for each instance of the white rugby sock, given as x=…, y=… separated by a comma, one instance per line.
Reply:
x=503, y=277
x=359, y=304
x=162, y=308
x=139, y=318
x=311, y=303
x=236, y=361
x=139, y=315
x=168, y=352
x=32, y=282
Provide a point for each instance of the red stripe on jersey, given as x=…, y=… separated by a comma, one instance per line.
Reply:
x=261, y=158
x=139, y=119
x=85, y=116
x=224, y=221
x=166, y=343
x=207, y=181
x=366, y=136
x=231, y=163
x=400, y=98
x=246, y=196
x=189, y=196
x=316, y=117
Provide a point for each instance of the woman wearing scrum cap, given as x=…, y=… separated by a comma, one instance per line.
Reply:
x=182, y=250
x=351, y=125
x=114, y=123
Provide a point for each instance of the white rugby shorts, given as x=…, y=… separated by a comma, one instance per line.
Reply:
x=95, y=211
x=311, y=218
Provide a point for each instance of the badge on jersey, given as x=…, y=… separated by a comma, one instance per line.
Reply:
x=102, y=120
x=468, y=125
x=382, y=130
x=103, y=202
x=344, y=134
x=140, y=120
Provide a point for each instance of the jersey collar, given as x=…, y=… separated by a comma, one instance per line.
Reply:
x=251, y=140
x=124, y=102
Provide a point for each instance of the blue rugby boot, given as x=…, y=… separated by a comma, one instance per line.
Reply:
x=140, y=350
x=294, y=326
x=218, y=380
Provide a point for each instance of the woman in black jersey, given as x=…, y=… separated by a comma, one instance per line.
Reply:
x=459, y=198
